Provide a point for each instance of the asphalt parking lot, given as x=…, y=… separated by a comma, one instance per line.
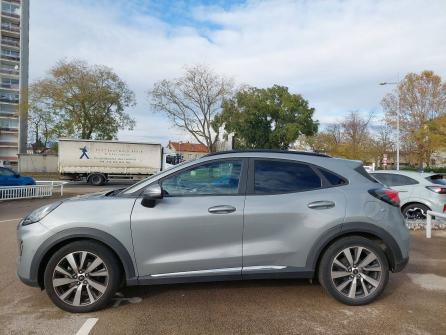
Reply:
x=413, y=303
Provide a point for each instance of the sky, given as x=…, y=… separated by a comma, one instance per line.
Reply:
x=334, y=53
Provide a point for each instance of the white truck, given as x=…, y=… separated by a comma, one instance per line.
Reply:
x=99, y=161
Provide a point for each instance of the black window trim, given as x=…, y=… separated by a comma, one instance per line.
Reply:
x=250, y=189
x=241, y=185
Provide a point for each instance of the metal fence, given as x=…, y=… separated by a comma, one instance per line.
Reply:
x=54, y=184
x=25, y=192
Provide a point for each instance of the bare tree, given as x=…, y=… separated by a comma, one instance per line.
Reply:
x=192, y=101
x=356, y=131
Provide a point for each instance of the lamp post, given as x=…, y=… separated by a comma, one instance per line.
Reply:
x=397, y=126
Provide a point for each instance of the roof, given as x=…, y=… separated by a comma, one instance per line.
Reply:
x=188, y=147
x=307, y=153
x=407, y=173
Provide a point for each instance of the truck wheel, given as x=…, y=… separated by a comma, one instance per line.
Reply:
x=96, y=179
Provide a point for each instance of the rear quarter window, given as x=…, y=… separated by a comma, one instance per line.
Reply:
x=332, y=178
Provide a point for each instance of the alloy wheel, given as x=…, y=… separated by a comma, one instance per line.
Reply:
x=80, y=278
x=416, y=213
x=356, y=272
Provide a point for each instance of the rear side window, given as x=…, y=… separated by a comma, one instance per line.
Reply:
x=332, y=178
x=391, y=179
x=437, y=179
x=272, y=177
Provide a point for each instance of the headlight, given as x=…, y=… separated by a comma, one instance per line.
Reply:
x=40, y=213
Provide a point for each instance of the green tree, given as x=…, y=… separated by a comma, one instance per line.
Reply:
x=269, y=118
x=88, y=102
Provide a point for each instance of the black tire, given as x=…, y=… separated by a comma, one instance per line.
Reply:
x=415, y=211
x=96, y=179
x=364, y=295
x=112, y=284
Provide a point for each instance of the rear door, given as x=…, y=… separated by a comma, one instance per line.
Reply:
x=289, y=204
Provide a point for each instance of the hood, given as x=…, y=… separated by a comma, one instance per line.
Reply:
x=27, y=180
x=88, y=196
x=96, y=195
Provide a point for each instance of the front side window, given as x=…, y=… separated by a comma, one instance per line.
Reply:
x=272, y=177
x=214, y=178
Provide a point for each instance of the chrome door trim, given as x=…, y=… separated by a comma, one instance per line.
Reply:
x=198, y=273
x=264, y=268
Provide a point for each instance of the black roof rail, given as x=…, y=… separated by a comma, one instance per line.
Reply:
x=307, y=153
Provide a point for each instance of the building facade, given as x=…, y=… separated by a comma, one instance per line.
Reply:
x=189, y=151
x=14, y=59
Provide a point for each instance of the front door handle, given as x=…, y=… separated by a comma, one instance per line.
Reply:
x=223, y=209
x=321, y=204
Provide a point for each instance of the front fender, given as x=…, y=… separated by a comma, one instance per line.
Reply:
x=44, y=252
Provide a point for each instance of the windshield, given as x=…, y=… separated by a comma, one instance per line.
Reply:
x=437, y=179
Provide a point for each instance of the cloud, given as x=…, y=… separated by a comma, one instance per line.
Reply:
x=332, y=52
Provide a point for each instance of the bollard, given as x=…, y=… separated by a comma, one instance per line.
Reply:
x=429, y=226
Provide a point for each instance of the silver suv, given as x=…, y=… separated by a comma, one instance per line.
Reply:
x=226, y=216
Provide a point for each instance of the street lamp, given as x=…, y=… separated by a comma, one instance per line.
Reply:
x=397, y=125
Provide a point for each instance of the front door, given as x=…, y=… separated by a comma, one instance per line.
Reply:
x=196, y=229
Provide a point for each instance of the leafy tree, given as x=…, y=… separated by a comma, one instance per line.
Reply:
x=192, y=101
x=269, y=118
x=421, y=101
x=85, y=101
x=41, y=122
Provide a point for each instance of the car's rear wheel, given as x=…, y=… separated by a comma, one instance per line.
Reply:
x=415, y=211
x=82, y=277
x=354, y=270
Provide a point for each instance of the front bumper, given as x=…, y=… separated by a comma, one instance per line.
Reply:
x=29, y=239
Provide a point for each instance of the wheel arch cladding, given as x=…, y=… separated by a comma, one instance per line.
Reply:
x=46, y=250
x=391, y=250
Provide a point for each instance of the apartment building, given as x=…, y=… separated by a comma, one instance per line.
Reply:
x=14, y=30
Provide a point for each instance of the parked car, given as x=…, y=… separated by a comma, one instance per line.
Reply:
x=418, y=191
x=9, y=177
x=288, y=215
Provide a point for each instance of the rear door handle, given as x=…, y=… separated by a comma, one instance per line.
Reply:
x=223, y=209
x=321, y=204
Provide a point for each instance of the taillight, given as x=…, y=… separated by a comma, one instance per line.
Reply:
x=387, y=195
x=444, y=208
x=437, y=189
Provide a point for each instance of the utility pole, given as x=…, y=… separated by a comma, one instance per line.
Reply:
x=397, y=125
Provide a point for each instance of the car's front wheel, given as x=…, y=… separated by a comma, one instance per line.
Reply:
x=354, y=270
x=82, y=277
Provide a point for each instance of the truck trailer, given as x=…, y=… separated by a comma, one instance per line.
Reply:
x=97, y=161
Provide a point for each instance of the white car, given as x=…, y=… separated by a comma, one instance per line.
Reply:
x=418, y=191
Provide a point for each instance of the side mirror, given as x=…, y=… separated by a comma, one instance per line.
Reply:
x=151, y=194
x=17, y=175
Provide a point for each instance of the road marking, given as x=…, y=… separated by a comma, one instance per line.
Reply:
x=11, y=220
x=87, y=326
